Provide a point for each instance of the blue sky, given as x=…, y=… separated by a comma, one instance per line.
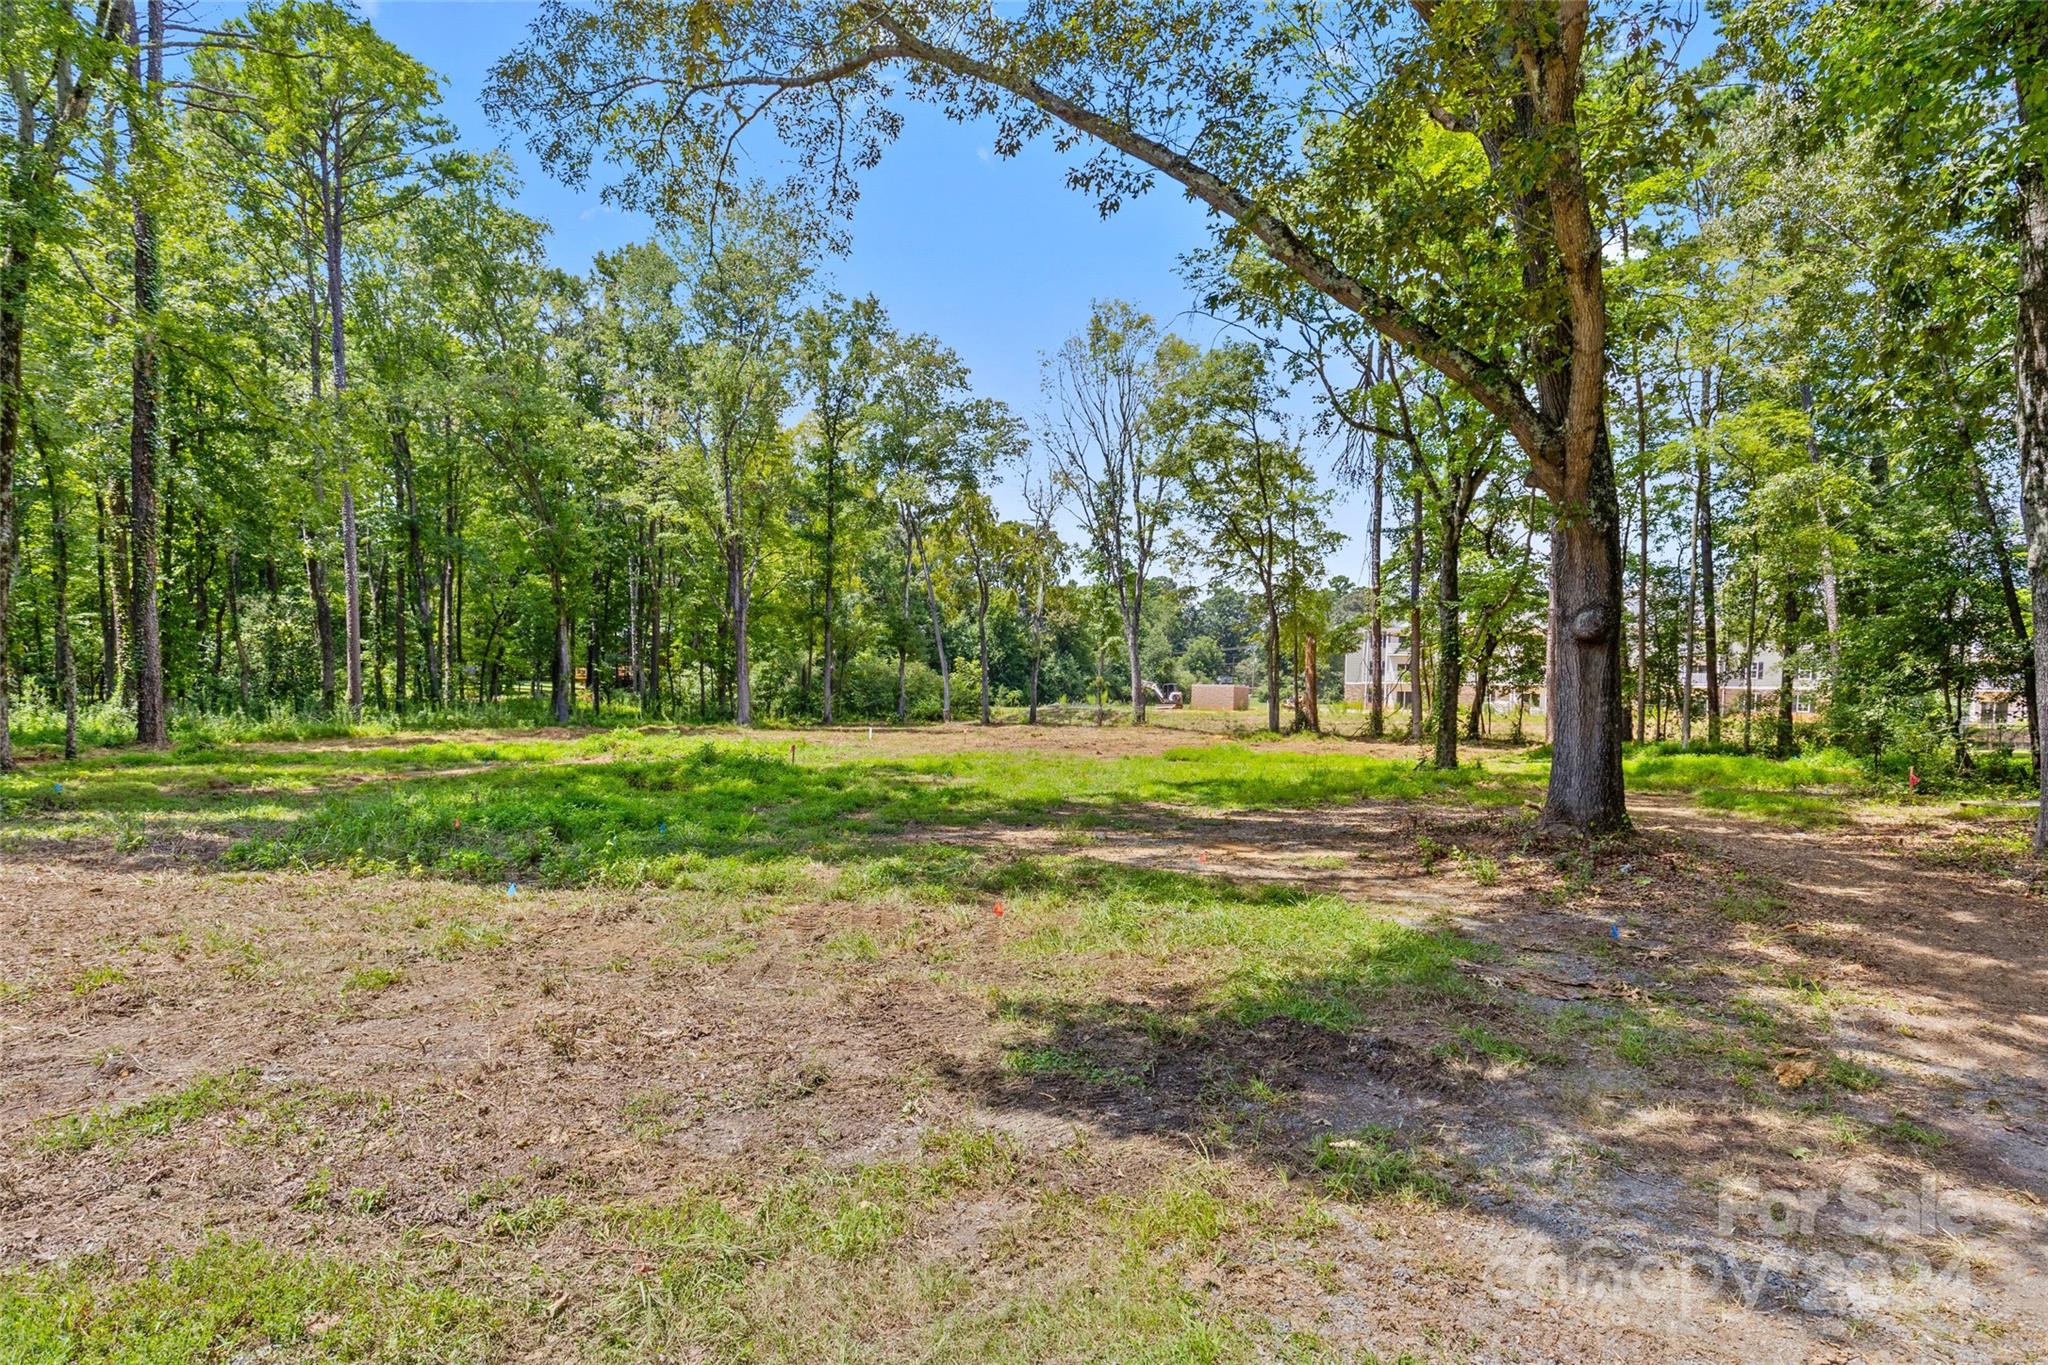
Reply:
x=997, y=258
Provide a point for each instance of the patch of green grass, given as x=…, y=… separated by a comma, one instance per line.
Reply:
x=1746, y=905
x=1373, y=1163
x=97, y=978
x=855, y=945
x=206, y=1094
x=1478, y=1041
x=240, y=1300
x=1903, y=1128
x=371, y=980
x=530, y=1221
x=1789, y=808
x=1055, y=1061
x=465, y=936
x=1482, y=870
x=1854, y=1077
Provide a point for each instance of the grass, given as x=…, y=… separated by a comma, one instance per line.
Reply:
x=1373, y=1163
x=204, y=1095
x=1057, y=1061
x=371, y=980
x=965, y=1249
x=239, y=1300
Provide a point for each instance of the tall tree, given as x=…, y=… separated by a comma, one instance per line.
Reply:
x=343, y=120
x=1192, y=92
x=57, y=60
x=1111, y=454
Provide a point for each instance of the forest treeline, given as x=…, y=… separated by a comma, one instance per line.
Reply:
x=1648, y=354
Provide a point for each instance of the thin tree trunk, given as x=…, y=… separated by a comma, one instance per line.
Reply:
x=1272, y=661
x=981, y=647
x=931, y=598
x=1785, y=742
x=110, y=615
x=2008, y=590
x=124, y=597
x=1449, y=663
x=60, y=595
x=1376, y=647
x=1642, y=550
x=151, y=723
x=1692, y=589
x=323, y=618
x=743, y=680
x=235, y=629
x=1415, y=616
x=1703, y=516
x=1749, y=658
x=14, y=277
x=2030, y=357
x=1828, y=604
x=564, y=676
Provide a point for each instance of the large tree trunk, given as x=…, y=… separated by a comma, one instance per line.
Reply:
x=1585, y=629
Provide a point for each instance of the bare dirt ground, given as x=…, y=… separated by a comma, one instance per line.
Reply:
x=1619, y=1199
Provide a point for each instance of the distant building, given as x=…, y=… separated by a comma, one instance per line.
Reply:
x=1760, y=681
x=1395, y=678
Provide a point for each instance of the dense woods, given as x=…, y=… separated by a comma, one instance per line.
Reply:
x=1705, y=347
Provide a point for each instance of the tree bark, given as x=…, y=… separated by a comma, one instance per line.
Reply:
x=931, y=599
x=1449, y=663
x=1585, y=627
x=1703, y=517
x=14, y=272
x=2030, y=362
x=60, y=597
x=151, y=724
x=110, y=615
x=1272, y=661
x=1785, y=743
x=981, y=649
x=1415, y=615
x=235, y=629
x=323, y=618
x=1376, y=647
x=565, y=677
